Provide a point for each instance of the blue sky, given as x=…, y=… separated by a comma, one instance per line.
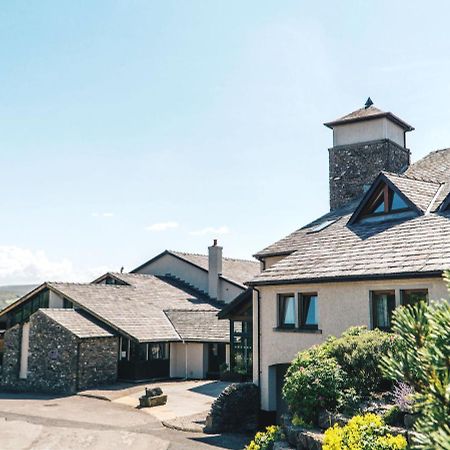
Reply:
x=129, y=127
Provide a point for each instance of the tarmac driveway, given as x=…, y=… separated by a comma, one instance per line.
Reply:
x=52, y=423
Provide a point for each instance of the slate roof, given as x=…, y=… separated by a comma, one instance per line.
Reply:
x=372, y=112
x=415, y=246
x=76, y=323
x=420, y=192
x=138, y=310
x=199, y=325
x=235, y=270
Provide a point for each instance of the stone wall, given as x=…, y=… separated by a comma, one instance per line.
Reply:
x=58, y=361
x=354, y=166
x=9, y=372
x=98, y=361
x=236, y=409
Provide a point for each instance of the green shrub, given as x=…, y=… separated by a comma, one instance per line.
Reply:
x=359, y=351
x=313, y=381
x=337, y=374
x=366, y=432
x=393, y=416
x=424, y=364
x=264, y=440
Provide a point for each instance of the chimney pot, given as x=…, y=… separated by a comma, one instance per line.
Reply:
x=215, y=242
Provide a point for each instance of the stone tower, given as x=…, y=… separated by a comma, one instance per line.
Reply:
x=365, y=142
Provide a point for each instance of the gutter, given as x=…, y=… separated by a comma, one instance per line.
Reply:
x=337, y=279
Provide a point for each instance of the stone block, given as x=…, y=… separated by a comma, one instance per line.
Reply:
x=149, y=402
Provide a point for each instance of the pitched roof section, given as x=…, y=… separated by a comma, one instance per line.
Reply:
x=421, y=193
x=411, y=246
x=202, y=326
x=237, y=271
x=137, y=310
x=76, y=323
x=433, y=167
x=369, y=113
x=416, y=246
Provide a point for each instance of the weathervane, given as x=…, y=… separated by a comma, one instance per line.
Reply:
x=368, y=103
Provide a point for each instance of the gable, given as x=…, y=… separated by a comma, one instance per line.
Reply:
x=394, y=196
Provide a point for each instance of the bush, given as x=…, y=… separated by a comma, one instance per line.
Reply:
x=337, y=374
x=313, y=381
x=264, y=440
x=366, y=432
x=424, y=364
x=359, y=351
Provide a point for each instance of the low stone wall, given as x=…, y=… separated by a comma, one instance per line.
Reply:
x=236, y=409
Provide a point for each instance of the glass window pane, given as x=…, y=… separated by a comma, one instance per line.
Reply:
x=383, y=305
x=379, y=208
x=398, y=202
x=311, y=315
x=288, y=317
x=413, y=297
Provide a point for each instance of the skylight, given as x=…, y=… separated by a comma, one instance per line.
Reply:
x=321, y=226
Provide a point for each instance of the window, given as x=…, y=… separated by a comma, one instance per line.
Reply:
x=124, y=349
x=413, y=296
x=385, y=201
x=383, y=303
x=67, y=304
x=158, y=350
x=286, y=304
x=308, y=310
x=241, y=347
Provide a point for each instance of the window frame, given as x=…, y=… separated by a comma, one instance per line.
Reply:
x=374, y=321
x=386, y=193
x=404, y=292
x=281, y=310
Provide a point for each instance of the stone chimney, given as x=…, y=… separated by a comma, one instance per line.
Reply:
x=365, y=142
x=214, y=269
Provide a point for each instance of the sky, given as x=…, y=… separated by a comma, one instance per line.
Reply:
x=128, y=127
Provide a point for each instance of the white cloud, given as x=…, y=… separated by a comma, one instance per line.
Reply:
x=163, y=226
x=25, y=266
x=103, y=214
x=211, y=230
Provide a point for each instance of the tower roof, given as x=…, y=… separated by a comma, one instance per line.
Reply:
x=369, y=112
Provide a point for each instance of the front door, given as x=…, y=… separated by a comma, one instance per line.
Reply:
x=282, y=407
x=216, y=357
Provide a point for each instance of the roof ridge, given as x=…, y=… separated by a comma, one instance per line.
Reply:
x=228, y=258
x=409, y=177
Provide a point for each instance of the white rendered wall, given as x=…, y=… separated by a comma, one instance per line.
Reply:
x=370, y=130
x=169, y=264
x=340, y=305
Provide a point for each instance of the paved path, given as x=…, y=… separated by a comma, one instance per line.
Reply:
x=50, y=423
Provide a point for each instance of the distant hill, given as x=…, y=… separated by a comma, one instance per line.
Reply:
x=9, y=294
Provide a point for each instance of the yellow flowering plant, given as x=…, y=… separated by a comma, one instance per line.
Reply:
x=264, y=440
x=367, y=432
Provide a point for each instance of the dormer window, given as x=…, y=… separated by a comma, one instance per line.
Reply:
x=384, y=201
x=389, y=198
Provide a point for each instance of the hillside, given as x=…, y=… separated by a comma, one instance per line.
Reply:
x=9, y=294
